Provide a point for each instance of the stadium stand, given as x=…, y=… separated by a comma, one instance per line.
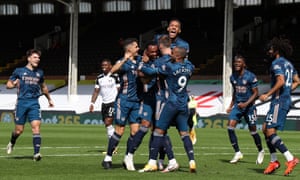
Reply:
x=99, y=35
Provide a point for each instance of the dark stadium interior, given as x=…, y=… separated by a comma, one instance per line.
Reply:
x=100, y=33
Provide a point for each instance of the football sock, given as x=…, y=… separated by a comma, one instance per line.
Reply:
x=270, y=146
x=14, y=137
x=149, y=145
x=113, y=143
x=288, y=156
x=257, y=140
x=188, y=146
x=36, y=143
x=233, y=139
x=129, y=143
x=167, y=149
x=138, y=138
x=156, y=143
x=277, y=143
x=273, y=157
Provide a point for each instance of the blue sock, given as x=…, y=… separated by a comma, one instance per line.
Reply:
x=129, y=143
x=270, y=145
x=257, y=141
x=113, y=143
x=36, y=143
x=137, y=139
x=188, y=146
x=156, y=143
x=278, y=143
x=150, y=141
x=167, y=149
x=14, y=137
x=233, y=139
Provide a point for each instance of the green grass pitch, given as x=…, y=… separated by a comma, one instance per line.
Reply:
x=74, y=152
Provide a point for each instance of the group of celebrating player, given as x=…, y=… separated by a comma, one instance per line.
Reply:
x=152, y=95
x=149, y=91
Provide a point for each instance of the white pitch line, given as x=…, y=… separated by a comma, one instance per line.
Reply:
x=140, y=154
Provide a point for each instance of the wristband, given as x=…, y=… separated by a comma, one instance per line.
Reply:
x=92, y=103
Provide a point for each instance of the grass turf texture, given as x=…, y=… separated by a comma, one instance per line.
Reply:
x=75, y=152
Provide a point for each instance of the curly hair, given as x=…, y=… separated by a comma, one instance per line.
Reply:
x=282, y=45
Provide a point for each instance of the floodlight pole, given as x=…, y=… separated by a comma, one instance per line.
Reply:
x=73, y=50
x=227, y=53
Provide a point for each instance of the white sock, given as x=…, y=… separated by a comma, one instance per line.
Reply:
x=130, y=156
x=273, y=157
x=110, y=131
x=288, y=156
x=107, y=158
x=192, y=161
x=239, y=152
x=152, y=162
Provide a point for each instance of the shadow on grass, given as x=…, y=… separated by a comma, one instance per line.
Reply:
x=258, y=170
x=102, y=151
x=20, y=157
x=227, y=161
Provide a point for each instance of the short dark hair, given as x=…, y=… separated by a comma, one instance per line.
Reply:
x=150, y=43
x=176, y=19
x=128, y=41
x=182, y=51
x=239, y=56
x=33, y=51
x=106, y=60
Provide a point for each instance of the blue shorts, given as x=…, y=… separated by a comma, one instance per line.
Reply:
x=276, y=117
x=27, y=109
x=147, y=111
x=249, y=114
x=126, y=111
x=160, y=103
x=170, y=113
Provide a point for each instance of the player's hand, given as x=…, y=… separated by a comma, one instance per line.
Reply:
x=263, y=97
x=16, y=82
x=51, y=104
x=242, y=105
x=228, y=110
x=145, y=57
x=91, y=108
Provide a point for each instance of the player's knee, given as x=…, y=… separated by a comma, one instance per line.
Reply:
x=144, y=129
x=183, y=133
x=230, y=128
x=19, y=131
x=253, y=132
x=145, y=123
